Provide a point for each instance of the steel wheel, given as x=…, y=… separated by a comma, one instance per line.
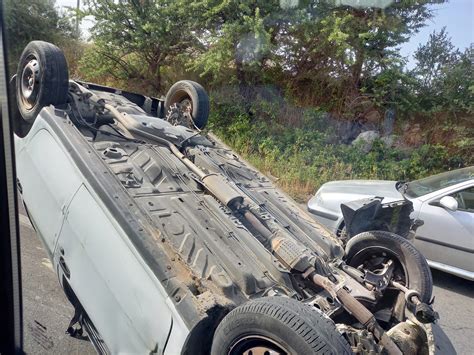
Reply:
x=42, y=79
x=30, y=83
x=256, y=345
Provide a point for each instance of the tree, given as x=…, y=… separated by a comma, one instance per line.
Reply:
x=433, y=57
x=444, y=75
x=28, y=20
x=458, y=93
x=238, y=38
x=340, y=49
x=137, y=40
x=323, y=53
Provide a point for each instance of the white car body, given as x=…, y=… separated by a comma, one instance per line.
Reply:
x=125, y=299
x=446, y=237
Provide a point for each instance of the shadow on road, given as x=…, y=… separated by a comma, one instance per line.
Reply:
x=453, y=283
x=454, y=300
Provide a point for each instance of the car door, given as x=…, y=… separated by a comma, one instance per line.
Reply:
x=47, y=180
x=121, y=296
x=447, y=236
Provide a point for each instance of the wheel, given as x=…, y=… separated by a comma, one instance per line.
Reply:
x=42, y=79
x=187, y=103
x=20, y=126
x=277, y=325
x=373, y=249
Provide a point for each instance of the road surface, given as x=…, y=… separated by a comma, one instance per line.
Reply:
x=46, y=311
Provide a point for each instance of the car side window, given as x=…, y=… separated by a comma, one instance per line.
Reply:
x=465, y=199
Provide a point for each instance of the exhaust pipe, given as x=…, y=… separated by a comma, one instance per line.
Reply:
x=359, y=311
x=291, y=254
x=296, y=258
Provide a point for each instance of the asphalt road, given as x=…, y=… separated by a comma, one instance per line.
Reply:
x=454, y=301
x=46, y=311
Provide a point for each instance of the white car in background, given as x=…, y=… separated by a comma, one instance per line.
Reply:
x=444, y=202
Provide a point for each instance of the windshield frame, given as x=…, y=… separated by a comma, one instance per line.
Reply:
x=433, y=183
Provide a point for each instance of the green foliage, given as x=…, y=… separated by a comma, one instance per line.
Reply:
x=335, y=52
x=28, y=20
x=306, y=156
x=137, y=40
x=445, y=76
x=238, y=38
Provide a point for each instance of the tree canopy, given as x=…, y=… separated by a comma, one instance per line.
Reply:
x=320, y=52
x=29, y=20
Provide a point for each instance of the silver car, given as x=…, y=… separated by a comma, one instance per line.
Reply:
x=444, y=202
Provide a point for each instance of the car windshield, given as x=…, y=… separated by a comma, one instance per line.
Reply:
x=433, y=183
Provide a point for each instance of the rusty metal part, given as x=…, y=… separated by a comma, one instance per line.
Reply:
x=220, y=187
x=255, y=222
x=325, y=303
x=361, y=340
x=359, y=311
x=411, y=296
x=422, y=311
x=381, y=278
x=120, y=119
x=291, y=254
x=356, y=289
x=409, y=337
x=180, y=113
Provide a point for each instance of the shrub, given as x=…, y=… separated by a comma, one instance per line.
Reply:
x=303, y=159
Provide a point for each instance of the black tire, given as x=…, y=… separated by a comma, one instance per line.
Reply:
x=363, y=246
x=297, y=329
x=42, y=79
x=190, y=90
x=20, y=126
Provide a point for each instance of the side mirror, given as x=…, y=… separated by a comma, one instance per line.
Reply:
x=449, y=203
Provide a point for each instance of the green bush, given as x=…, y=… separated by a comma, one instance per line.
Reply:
x=302, y=158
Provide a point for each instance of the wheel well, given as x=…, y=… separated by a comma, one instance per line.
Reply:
x=199, y=341
x=340, y=228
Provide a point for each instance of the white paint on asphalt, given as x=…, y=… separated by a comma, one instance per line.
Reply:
x=46, y=262
x=24, y=221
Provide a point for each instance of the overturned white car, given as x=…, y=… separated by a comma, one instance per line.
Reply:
x=166, y=242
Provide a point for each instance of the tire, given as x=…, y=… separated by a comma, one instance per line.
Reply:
x=417, y=272
x=46, y=66
x=297, y=328
x=190, y=90
x=20, y=126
